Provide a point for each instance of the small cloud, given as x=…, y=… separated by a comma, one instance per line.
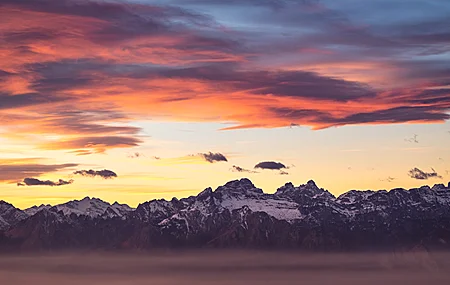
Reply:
x=236, y=168
x=389, y=179
x=213, y=157
x=105, y=174
x=282, y=172
x=293, y=125
x=80, y=152
x=416, y=173
x=413, y=139
x=157, y=157
x=37, y=182
x=136, y=155
x=272, y=165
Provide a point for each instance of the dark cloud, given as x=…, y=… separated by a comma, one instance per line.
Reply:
x=416, y=173
x=236, y=168
x=213, y=157
x=104, y=43
x=396, y=115
x=122, y=22
x=105, y=174
x=29, y=99
x=282, y=172
x=301, y=84
x=37, y=182
x=272, y=165
x=13, y=171
x=251, y=3
x=387, y=116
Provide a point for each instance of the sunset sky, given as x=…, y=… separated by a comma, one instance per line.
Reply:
x=175, y=96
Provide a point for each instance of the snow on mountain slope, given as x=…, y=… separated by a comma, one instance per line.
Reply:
x=239, y=193
x=279, y=209
x=93, y=207
x=3, y=224
x=10, y=215
x=235, y=195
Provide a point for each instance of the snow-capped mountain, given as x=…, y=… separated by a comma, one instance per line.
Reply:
x=238, y=214
x=33, y=210
x=10, y=215
x=93, y=207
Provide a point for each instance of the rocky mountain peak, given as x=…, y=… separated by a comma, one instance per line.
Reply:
x=439, y=187
x=5, y=204
x=205, y=193
x=240, y=183
x=310, y=189
x=239, y=187
x=311, y=183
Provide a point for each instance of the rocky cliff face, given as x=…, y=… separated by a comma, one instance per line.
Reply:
x=238, y=214
x=10, y=215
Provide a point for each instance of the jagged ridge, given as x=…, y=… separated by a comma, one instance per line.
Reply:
x=240, y=214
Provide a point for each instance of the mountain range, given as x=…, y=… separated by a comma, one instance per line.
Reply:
x=239, y=215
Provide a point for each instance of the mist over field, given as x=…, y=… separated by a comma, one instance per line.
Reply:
x=225, y=267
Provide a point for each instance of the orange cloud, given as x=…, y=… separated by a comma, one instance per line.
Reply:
x=110, y=64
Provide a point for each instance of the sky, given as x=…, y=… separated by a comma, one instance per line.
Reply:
x=135, y=100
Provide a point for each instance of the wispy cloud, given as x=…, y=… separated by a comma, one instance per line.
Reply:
x=389, y=179
x=213, y=157
x=105, y=174
x=12, y=170
x=236, y=168
x=412, y=139
x=416, y=173
x=89, y=145
x=37, y=182
x=136, y=155
x=110, y=54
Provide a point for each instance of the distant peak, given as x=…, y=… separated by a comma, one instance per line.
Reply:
x=438, y=186
x=288, y=185
x=240, y=182
x=243, y=185
x=205, y=193
x=5, y=203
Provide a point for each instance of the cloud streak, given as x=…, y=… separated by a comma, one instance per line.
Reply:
x=37, y=182
x=236, y=168
x=105, y=174
x=14, y=170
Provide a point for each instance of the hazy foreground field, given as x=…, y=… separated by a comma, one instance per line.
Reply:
x=229, y=267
